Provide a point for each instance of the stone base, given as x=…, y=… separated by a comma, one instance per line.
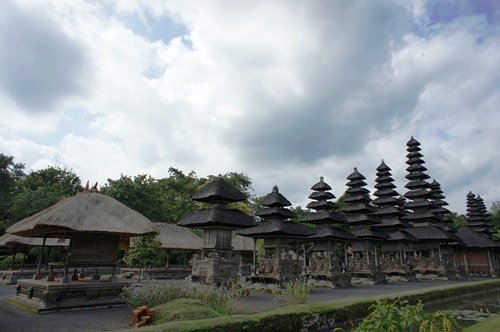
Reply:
x=375, y=278
x=43, y=296
x=11, y=277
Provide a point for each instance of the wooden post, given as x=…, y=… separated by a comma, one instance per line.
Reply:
x=38, y=276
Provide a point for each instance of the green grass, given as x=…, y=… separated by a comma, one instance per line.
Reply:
x=181, y=310
x=491, y=324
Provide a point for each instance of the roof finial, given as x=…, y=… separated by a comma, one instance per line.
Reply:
x=321, y=179
x=275, y=188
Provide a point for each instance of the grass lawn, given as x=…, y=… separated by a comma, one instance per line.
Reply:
x=491, y=324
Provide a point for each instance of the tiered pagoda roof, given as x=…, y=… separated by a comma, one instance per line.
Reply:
x=418, y=195
x=323, y=217
x=422, y=217
x=438, y=199
x=218, y=194
x=359, y=212
x=477, y=217
x=390, y=206
x=276, y=221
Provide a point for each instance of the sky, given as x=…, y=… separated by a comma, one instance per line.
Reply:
x=282, y=91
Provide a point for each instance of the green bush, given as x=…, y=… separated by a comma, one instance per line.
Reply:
x=223, y=299
x=403, y=317
x=5, y=262
x=295, y=291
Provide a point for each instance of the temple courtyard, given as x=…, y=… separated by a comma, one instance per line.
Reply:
x=112, y=319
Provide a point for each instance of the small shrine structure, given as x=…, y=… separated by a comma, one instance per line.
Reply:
x=217, y=221
x=21, y=244
x=96, y=225
x=395, y=256
x=481, y=253
x=365, y=263
x=282, y=241
x=176, y=241
x=328, y=258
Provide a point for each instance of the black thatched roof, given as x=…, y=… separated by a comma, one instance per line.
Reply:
x=400, y=235
x=218, y=191
x=433, y=233
x=275, y=213
x=473, y=239
x=274, y=199
x=323, y=216
x=217, y=217
x=366, y=233
x=321, y=185
x=332, y=233
x=278, y=228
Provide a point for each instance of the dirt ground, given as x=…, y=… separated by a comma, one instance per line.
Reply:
x=13, y=319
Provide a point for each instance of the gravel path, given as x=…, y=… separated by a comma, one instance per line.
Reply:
x=13, y=319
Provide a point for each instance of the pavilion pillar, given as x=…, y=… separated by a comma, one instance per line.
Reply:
x=465, y=263
x=13, y=260
x=38, y=276
x=254, y=256
x=47, y=259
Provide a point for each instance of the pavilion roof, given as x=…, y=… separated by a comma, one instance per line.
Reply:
x=10, y=240
x=174, y=237
x=332, y=233
x=278, y=228
x=473, y=239
x=218, y=191
x=243, y=243
x=85, y=212
x=217, y=216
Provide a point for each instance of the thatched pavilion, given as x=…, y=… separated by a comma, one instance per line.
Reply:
x=21, y=244
x=96, y=225
x=174, y=240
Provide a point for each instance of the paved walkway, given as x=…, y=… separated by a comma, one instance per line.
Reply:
x=13, y=319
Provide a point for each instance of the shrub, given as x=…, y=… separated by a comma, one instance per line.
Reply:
x=405, y=317
x=223, y=299
x=295, y=291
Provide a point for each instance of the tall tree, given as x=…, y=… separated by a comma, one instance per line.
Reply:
x=42, y=188
x=11, y=174
x=142, y=193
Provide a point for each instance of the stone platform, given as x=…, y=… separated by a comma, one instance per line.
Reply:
x=12, y=276
x=43, y=296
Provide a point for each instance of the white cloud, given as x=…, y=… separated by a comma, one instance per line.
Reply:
x=283, y=91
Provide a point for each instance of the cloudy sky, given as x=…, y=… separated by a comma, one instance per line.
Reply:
x=283, y=91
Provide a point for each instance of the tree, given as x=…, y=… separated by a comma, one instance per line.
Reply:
x=144, y=252
x=142, y=193
x=42, y=188
x=11, y=174
x=458, y=220
x=495, y=215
